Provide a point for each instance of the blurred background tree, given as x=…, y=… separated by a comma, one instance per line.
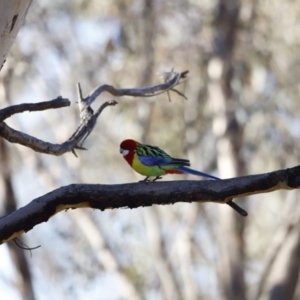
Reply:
x=240, y=118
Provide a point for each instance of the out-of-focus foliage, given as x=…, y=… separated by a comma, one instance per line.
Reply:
x=160, y=252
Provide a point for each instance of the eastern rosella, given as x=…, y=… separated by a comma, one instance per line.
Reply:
x=151, y=161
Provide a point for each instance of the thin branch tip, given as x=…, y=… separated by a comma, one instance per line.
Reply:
x=184, y=74
x=112, y=102
x=73, y=151
x=79, y=92
x=237, y=208
x=23, y=246
x=179, y=93
x=80, y=148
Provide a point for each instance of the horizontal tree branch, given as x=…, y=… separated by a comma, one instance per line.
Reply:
x=19, y=108
x=141, y=194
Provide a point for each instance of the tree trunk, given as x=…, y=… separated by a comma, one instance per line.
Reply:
x=12, y=15
x=229, y=141
x=24, y=282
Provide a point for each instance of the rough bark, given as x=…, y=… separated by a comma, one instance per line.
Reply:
x=142, y=194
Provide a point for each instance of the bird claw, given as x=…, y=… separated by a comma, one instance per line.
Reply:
x=156, y=178
x=145, y=180
x=148, y=180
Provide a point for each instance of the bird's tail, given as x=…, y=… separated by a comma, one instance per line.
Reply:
x=194, y=172
x=198, y=173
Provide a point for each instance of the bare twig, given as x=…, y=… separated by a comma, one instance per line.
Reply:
x=179, y=93
x=15, y=136
x=142, y=194
x=141, y=92
x=23, y=246
x=14, y=109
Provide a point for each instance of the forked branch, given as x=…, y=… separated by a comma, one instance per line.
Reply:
x=87, y=115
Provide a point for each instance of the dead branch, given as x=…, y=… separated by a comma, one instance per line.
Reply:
x=15, y=136
x=87, y=115
x=135, y=195
x=151, y=91
x=15, y=109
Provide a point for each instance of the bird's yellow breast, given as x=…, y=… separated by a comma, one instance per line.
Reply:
x=148, y=171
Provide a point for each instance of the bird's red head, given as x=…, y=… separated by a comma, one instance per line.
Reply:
x=127, y=148
x=128, y=145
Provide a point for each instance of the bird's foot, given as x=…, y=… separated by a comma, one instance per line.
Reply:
x=156, y=178
x=148, y=180
x=145, y=180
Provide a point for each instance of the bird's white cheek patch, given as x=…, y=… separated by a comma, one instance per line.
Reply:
x=125, y=152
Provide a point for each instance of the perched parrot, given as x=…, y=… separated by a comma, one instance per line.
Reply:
x=151, y=161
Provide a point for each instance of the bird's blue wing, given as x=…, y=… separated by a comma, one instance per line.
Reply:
x=154, y=156
x=154, y=160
